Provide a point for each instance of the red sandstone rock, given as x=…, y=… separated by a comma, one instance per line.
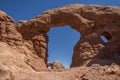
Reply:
x=8, y=32
x=55, y=65
x=90, y=21
x=23, y=49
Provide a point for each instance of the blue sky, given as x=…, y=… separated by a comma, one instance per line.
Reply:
x=62, y=39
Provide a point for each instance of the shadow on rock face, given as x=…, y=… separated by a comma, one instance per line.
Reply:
x=108, y=55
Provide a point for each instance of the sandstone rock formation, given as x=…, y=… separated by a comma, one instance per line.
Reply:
x=14, y=51
x=24, y=47
x=55, y=65
x=90, y=21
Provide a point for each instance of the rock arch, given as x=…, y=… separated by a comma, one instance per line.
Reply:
x=90, y=21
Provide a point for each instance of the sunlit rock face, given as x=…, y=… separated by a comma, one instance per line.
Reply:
x=55, y=65
x=24, y=47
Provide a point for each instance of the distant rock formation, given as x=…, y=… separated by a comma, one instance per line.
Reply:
x=55, y=65
x=24, y=47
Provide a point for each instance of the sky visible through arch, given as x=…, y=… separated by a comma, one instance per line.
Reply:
x=61, y=44
x=27, y=9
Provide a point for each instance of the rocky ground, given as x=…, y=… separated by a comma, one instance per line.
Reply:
x=95, y=72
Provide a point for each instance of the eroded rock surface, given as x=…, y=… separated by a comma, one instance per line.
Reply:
x=24, y=47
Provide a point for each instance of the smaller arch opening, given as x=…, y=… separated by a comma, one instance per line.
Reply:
x=105, y=36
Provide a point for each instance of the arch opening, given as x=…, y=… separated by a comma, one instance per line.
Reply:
x=61, y=44
x=105, y=36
